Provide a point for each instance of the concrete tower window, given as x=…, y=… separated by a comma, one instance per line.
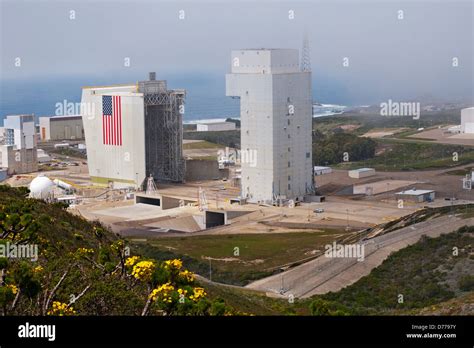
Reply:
x=289, y=164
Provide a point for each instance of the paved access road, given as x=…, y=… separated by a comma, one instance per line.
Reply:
x=325, y=274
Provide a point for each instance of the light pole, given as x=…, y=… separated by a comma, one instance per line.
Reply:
x=347, y=216
x=210, y=269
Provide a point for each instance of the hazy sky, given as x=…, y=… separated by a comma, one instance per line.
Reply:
x=388, y=57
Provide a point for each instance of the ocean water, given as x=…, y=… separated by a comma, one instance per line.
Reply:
x=205, y=96
x=204, y=99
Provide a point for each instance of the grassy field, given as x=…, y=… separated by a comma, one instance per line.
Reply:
x=240, y=258
x=371, y=119
x=413, y=155
x=201, y=145
x=461, y=171
x=229, y=138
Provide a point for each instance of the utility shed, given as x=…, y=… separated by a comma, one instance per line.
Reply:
x=361, y=173
x=416, y=196
x=215, y=126
x=318, y=170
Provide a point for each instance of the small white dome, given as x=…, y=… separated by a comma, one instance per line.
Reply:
x=41, y=187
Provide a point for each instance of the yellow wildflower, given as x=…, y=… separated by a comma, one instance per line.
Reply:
x=198, y=293
x=175, y=263
x=143, y=270
x=162, y=292
x=13, y=288
x=85, y=251
x=187, y=275
x=131, y=261
x=61, y=309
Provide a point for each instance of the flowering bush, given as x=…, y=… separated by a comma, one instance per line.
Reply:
x=61, y=309
x=13, y=288
x=85, y=251
x=174, y=264
x=163, y=292
x=143, y=270
x=175, y=293
x=131, y=261
x=198, y=294
x=186, y=276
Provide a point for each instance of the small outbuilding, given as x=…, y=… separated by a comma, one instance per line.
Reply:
x=416, y=196
x=361, y=173
x=322, y=170
x=215, y=126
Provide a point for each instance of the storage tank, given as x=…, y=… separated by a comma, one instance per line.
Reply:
x=41, y=187
x=63, y=185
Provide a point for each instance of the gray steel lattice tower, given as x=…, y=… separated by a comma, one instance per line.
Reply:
x=163, y=130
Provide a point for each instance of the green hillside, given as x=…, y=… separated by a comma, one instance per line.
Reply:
x=83, y=269
x=426, y=274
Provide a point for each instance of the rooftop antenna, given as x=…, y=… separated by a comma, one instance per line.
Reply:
x=305, y=55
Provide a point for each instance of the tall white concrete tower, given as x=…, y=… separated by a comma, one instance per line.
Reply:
x=276, y=112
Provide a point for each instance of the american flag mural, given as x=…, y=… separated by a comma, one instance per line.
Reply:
x=112, y=120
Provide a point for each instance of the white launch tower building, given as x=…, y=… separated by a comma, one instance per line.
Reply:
x=276, y=113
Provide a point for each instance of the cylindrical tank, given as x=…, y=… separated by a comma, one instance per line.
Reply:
x=63, y=185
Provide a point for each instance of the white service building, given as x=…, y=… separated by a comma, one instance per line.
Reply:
x=319, y=170
x=215, y=126
x=467, y=120
x=416, y=196
x=361, y=173
x=67, y=127
x=123, y=164
x=133, y=131
x=276, y=120
x=19, y=152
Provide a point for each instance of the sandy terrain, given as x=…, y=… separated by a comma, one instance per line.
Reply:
x=440, y=135
x=383, y=133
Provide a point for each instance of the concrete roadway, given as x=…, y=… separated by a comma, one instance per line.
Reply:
x=326, y=274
